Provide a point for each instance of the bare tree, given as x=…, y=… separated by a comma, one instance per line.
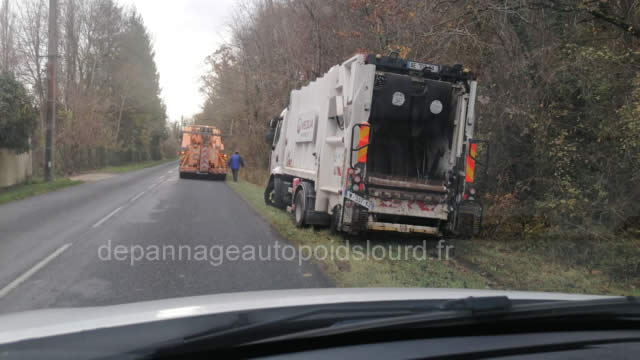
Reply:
x=7, y=40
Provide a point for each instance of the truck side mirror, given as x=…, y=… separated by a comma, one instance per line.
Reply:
x=481, y=153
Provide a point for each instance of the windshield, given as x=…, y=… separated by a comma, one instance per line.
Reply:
x=154, y=150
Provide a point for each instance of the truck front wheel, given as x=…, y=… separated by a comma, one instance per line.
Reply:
x=273, y=194
x=270, y=194
x=300, y=208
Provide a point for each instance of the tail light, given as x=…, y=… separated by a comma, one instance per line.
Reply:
x=363, y=145
x=471, y=164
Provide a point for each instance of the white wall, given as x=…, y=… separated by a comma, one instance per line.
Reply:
x=14, y=168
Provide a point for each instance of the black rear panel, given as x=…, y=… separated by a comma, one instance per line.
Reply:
x=412, y=127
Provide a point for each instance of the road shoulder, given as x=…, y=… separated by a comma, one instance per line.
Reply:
x=33, y=188
x=38, y=186
x=485, y=263
x=396, y=262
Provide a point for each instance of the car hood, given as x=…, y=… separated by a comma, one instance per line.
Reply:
x=49, y=322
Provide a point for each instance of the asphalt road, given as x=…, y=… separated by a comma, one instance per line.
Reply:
x=139, y=236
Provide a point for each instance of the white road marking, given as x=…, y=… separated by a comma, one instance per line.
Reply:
x=106, y=217
x=156, y=184
x=22, y=278
x=136, y=197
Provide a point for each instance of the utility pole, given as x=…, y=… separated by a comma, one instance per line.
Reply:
x=52, y=57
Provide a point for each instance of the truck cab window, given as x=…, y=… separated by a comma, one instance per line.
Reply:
x=277, y=134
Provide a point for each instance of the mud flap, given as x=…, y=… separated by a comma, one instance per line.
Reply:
x=359, y=217
x=314, y=217
x=469, y=222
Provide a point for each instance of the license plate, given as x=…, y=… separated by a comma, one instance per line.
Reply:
x=421, y=66
x=358, y=200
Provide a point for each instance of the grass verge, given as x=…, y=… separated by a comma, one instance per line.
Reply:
x=362, y=271
x=32, y=188
x=132, y=166
x=38, y=186
x=551, y=263
x=560, y=264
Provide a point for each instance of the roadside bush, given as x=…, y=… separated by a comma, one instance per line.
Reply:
x=17, y=114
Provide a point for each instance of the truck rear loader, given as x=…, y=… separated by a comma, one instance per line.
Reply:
x=201, y=152
x=379, y=143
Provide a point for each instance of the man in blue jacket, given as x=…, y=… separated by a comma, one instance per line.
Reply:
x=235, y=162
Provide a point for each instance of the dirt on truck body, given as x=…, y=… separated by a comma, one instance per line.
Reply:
x=202, y=152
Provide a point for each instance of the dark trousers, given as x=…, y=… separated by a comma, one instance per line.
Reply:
x=235, y=174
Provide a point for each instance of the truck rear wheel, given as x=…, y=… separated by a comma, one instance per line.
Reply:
x=335, y=220
x=300, y=208
x=181, y=174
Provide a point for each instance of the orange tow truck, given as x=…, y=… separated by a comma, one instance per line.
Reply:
x=201, y=152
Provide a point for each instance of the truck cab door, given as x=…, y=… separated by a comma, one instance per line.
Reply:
x=277, y=146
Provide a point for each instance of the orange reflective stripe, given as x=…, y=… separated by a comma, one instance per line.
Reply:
x=471, y=164
x=364, y=140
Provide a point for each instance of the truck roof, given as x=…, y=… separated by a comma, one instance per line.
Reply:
x=393, y=63
x=201, y=129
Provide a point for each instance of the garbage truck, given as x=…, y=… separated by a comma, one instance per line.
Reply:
x=380, y=143
x=201, y=152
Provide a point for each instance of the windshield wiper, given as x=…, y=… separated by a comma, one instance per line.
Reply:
x=478, y=304
x=475, y=310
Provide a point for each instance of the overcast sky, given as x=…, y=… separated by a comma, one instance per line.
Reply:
x=184, y=32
